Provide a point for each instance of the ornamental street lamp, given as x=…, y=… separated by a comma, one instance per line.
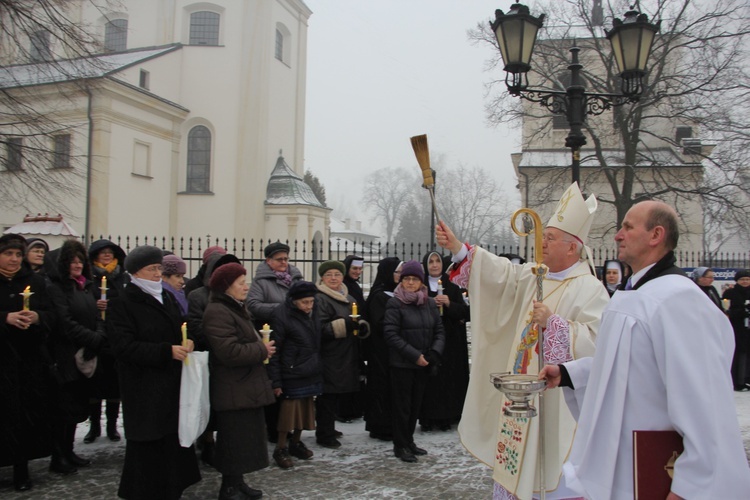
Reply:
x=631, y=42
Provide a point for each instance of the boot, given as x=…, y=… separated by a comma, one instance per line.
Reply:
x=113, y=411
x=21, y=479
x=60, y=462
x=230, y=488
x=95, y=426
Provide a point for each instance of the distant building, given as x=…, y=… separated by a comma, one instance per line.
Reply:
x=175, y=127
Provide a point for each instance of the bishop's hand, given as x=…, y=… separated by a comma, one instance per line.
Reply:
x=446, y=239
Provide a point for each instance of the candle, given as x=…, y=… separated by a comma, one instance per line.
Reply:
x=104, y=289
x=354, y=316
x=266, y=332
x=440, y=292
x=354, y=308
x=725, y=303
x=184, y=338
x=27, y=293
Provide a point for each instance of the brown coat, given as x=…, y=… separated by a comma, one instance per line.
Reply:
x=238, y=377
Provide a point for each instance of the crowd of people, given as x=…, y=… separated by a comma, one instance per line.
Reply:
x=90, y=328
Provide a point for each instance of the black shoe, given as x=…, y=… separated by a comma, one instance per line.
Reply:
x=95, y=430
x=62, y=466
x=112, y=432
x=21, y=479
x=332, y=443
x=78, y=461
x=405, y=455
x=417, y=450
x=249, y=492
x=231, y=493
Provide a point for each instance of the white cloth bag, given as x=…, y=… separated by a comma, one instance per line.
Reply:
x=195, y=405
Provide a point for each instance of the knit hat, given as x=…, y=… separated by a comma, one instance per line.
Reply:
x=142, y=256
x=36, y=242
x=331, y=264
x=412, y=268
x=208, y=252
x=275, y=248
x=223, y=277
x=173, y=264
x=301, y=289
x=742, y=273
x=15, y=241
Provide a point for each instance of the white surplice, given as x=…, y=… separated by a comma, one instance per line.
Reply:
x=663, y=361
x=502, y=295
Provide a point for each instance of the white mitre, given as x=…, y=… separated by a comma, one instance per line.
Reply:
x=573, y=214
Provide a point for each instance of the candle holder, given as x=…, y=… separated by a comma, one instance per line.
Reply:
x=355, y=317
x=520, y=390
x=266, y=334
x=26, y=294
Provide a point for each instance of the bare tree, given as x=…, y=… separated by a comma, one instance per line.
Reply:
x=386, y=195
x=698, y=77
x=45, y=54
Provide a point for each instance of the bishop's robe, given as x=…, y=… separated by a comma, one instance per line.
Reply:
x=502, y=295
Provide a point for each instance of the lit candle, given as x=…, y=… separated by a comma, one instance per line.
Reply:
x=266, y=333
x=440, y=292
x=27, y=293
x=354, y=309
x=354, y=316
x=104, y=289
x=184, y=338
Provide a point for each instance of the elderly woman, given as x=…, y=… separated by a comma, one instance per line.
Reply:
x=107, y=261
x=143, y=325
x=446, y=388
x=25, y=386
x=296, y=370
x=704, y=278
x=375, y=351
x=80, y=326
x=173, y=270
x=36, y=248
x=240, y=387
x=613, y=273
x=414, y=334
x=339, y=350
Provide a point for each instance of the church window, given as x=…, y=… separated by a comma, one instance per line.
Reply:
x=198, y=160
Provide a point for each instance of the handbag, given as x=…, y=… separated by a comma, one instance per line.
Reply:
x=86, y=366
x=195, y=405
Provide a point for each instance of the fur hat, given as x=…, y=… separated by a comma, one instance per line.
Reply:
x=69, y=250
x=208, y=252
x=173, y=264
x=16, y=241
x=412, y=268
x=223, y=277
x=331, y=264
x=301, y=289
x=275, y=248
x=742, y=273
x=142, y=256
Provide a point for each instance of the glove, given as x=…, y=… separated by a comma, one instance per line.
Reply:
x=433, y=357
x=364, y=329
x=339, y=328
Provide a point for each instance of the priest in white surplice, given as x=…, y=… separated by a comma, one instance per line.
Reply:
x=503, y=310
x=662, y=363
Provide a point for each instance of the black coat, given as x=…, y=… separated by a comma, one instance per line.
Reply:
x=738, y=312
x=297, y=361
x=26, y=383
x=411, y=331
x=340, y=355
x=142, y=332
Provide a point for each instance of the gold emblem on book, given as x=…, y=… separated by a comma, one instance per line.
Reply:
x=670, y=464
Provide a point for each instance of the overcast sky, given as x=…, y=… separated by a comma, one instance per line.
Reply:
x=382, y=71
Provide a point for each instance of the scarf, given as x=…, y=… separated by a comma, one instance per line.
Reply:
x=284, y=277
x=153, y=288
x=418, y=298
x=8, y=275
x=109, y=267
x=79, y=281
x=179, y=296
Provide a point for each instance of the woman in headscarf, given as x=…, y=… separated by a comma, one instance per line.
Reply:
x=25, y=383
x=144, y=328
x=446, y=387
x=240, y=386
x=739, y=315
x=612, y=275
x=375, y=352
x=704, y=278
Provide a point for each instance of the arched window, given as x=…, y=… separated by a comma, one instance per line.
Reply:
x=198, y=160
x=116, y=35
x=204, y=28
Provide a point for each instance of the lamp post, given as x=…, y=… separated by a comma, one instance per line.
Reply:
x=631, y=42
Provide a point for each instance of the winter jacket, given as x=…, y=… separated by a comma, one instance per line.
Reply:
x=142, y=332
x=411, y=331
x=238, y=379
x=339, y=348
x=267, y=292
x=297, y=338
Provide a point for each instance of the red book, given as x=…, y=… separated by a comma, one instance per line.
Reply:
x=654, y=455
